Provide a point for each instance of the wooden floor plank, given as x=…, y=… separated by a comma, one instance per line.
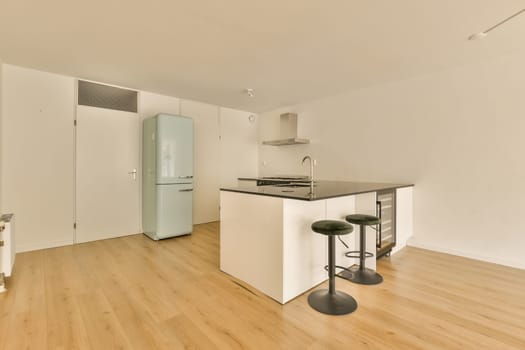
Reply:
x=104, y=330
x=27, y=324
x=65, y=327
x=135, y=293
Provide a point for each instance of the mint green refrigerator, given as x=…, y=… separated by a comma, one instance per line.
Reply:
x=167, y=176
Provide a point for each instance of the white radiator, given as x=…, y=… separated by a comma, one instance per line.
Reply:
x=7, y=248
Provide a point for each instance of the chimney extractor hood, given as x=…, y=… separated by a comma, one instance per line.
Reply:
x=288, y=132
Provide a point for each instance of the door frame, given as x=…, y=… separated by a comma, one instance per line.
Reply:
x=75, y=149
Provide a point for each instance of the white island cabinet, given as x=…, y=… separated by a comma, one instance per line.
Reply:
x=266, y=239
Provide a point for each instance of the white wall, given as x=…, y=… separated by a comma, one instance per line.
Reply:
x=1, y=138
x=239, y=150
x=37, y=155
x=457, y=134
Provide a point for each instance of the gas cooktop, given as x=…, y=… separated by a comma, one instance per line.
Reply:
x=286, y=177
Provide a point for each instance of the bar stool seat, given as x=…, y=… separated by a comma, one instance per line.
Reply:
x=363, y=275
x=329, y=301
x=332, y=227
x=362, y=219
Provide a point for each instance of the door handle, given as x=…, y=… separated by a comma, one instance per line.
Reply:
x=186, y=177
x=186, y=190
x=134, y=173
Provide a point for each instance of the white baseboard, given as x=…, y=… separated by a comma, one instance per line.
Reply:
x=2, y=283
x=207, y=221
x=417, y=243
x=42, y=245
x=399, y=246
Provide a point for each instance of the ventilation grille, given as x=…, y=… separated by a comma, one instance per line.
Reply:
x=103, y=96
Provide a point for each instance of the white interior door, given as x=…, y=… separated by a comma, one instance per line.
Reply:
x=107, y=174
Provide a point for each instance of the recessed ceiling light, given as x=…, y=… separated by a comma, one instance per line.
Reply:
x=484, y=33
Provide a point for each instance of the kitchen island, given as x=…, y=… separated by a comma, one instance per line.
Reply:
x=266, y=240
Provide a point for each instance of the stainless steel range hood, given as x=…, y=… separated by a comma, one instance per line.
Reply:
x=288, y=132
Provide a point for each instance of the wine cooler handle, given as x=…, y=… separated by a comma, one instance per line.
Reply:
x=378, y=228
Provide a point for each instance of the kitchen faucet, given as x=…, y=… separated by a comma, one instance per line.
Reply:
x=311, y=167
x=311, y=172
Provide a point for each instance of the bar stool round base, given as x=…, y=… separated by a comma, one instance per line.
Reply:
x=366, y=276
x=339, y=303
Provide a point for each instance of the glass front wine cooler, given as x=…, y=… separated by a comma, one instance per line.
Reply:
x=386, y=229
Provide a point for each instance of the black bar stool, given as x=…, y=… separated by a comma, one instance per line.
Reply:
x=329, y=301
x=363, y=275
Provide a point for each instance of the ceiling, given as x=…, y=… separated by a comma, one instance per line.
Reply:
x=287, y=51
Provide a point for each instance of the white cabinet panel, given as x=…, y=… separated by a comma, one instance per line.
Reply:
x=251, y=246
x=238, y=146
x=338, y=209
x=206, y=177
x=404, y=217
x=305, y=251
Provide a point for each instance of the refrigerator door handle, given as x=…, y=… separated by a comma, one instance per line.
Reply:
x=134, y=173
x=186, y=190
x=186, y=177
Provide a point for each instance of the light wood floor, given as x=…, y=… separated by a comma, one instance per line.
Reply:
x=133, y=293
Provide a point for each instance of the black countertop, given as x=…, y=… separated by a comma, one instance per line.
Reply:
x=322, y=189
x=284, y=178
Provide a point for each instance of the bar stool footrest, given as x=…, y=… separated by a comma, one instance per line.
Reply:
x=346, y=270
x=356, y=254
